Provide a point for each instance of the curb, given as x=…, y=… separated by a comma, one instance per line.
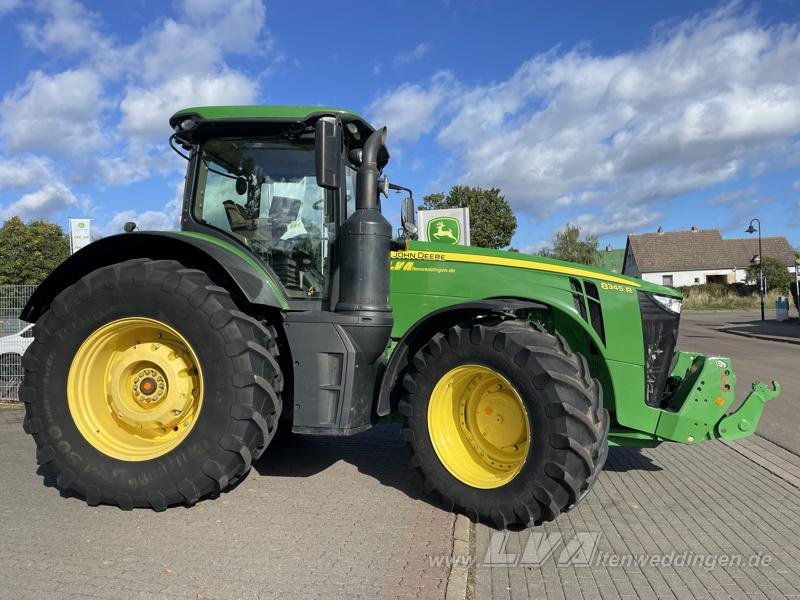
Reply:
x=756, y=336
x=783, y=464
x=459, y=569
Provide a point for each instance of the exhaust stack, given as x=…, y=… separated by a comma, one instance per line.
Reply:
x=365, y=242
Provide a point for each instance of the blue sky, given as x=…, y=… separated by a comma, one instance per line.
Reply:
x=619, y=119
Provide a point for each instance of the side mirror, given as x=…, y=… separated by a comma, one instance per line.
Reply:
x=328, y=153
x=408, y=217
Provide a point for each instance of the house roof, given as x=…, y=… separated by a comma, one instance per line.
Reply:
x=679, y=251
x=743, y=250
x=702, y=249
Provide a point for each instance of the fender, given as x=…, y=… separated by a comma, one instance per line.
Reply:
x=229, y=266
x=436, y=321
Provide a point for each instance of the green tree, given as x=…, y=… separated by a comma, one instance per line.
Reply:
x=568, y=245
x=29, y=253
x=491, y=221
x=775, y=272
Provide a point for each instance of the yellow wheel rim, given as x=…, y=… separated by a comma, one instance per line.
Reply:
x=479, y=426
x=135, y=389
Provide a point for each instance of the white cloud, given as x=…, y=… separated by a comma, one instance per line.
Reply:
x=796, y=186
x=174, y=63
x=411, y=110
x=624, y=219
x=24, y=172
x=67, y=26
x=151, y=220
x=42, y=191
x=416, y=53
x=145, y=110
x=54, y=114
x=702, y=103
x=7, y=6
x=51, y=198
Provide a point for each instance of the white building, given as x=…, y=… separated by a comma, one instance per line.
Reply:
x=682, y=258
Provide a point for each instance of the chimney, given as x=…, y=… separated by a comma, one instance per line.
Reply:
x=660, y=230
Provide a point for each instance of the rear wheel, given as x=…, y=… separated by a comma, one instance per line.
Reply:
x=146, y=387
x=504, y=422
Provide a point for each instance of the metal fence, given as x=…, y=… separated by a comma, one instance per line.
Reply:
x=15, y=337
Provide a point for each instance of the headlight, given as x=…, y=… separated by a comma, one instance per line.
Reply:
x=668, y=302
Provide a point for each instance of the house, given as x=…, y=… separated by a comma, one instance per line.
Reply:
x=696, y=256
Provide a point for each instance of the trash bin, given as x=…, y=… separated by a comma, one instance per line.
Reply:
x=782, y=308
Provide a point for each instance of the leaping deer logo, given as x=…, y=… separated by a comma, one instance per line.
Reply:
x=442, y=233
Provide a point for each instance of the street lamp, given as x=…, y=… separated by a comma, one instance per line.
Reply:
x=752, y=229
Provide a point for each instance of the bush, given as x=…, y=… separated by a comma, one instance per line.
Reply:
x=714, y=290
x=775, y=272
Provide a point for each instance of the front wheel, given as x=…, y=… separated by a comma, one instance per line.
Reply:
x=504, y=422
x=146, y=387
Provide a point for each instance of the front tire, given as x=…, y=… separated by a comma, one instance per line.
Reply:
x=145, y=386
x=504, y=422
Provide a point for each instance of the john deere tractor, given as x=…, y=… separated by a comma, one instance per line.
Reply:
x=164, y=362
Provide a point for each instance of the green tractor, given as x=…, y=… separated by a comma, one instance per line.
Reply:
x=164, y=362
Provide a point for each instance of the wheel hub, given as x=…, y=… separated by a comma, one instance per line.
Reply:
x=134, y=388
x=479, y=426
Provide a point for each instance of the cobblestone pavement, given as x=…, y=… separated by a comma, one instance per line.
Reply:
x=322, y=518
x=689, y=511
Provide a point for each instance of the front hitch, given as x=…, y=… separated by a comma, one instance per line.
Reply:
x=701, y=393
x=743, y=421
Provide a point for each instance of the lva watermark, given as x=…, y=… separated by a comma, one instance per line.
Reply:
x=583, y=550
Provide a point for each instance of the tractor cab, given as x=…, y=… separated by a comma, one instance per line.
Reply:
x=280, y=182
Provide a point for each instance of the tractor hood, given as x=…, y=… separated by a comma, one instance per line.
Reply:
x=502, y=258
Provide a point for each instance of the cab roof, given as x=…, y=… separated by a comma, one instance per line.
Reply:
x=211, y=120
x=275, y=113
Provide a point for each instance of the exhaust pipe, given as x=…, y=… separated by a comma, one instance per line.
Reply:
x=367, y=175
x=365, y=241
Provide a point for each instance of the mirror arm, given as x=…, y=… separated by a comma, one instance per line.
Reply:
x=401, y=188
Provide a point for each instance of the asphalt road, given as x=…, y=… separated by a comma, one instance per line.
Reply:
x=753, y=359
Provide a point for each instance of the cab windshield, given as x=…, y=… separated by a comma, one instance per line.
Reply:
x=264, y=192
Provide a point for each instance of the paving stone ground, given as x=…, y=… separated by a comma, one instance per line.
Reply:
x=708, y=503
x=319, y=518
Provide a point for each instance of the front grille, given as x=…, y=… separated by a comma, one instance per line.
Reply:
x=660, y=328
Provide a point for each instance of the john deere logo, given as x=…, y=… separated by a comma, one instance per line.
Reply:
x=445, y=230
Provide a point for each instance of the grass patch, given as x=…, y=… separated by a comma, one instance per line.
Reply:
x=725, y=300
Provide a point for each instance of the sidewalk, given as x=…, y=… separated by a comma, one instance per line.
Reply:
x=713, y=520
x=786, y=331
x=318, y=518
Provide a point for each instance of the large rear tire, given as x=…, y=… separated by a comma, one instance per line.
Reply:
x=145, y=386
x=504, y=422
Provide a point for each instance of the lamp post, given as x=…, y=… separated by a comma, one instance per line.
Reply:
x=752, y=229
